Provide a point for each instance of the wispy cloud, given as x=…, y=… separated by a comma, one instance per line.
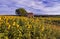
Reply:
x=49, y=7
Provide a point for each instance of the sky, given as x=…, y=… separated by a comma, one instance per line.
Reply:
x=39, y=7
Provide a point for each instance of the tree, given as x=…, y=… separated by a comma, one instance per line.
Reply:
x=21, y=11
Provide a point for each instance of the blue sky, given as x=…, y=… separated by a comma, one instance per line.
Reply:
x=40, y=7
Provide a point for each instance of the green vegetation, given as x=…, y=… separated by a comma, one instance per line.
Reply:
x=21, y=11
x=15, y=27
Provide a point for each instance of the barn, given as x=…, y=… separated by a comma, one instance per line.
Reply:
x=30, y=15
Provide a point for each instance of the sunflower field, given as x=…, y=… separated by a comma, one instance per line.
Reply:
x=16, y=27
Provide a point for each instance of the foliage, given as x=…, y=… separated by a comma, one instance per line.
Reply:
x=12, y=27
x=21, y=11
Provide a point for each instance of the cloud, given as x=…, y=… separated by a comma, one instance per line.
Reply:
x=36, y=6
